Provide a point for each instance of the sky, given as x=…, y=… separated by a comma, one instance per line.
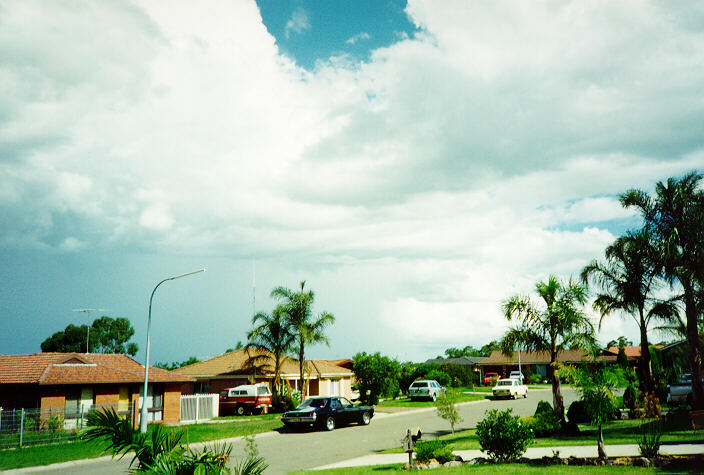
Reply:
x=414, y=163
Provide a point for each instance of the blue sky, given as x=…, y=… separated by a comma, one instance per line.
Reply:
x=309, y=31
x=414, y=177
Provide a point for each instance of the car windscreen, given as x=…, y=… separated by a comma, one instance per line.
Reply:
x=263, y=390
x=505, y=383
x=419, y=385
x=313, y=402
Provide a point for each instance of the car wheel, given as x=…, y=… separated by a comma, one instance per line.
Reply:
x=329, y=423
x=239, y=410
x=434, y=397
x=364, y=420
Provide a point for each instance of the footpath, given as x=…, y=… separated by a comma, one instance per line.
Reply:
x=625, y=450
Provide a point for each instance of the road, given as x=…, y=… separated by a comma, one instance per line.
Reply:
x=289, y=451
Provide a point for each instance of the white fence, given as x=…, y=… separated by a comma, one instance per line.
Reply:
x=199, y=407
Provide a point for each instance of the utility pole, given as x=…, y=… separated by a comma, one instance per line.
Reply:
x=88, y=310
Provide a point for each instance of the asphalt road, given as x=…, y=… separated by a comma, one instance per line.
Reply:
x=289, y=451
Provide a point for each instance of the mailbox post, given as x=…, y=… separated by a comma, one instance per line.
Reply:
x=409, y=441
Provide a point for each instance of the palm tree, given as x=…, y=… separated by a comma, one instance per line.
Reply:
x=626, y=279
x=306, y=328
x=273, y=334
x=675, y=216
x=554, y=325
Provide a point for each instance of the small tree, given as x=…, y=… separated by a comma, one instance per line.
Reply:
x=596, y=386
x=445, y=406
x=376, y=375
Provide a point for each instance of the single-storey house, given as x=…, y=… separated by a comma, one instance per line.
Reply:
x=469, y=361
x=535, y=362
x=72, y=383
x=322, y=377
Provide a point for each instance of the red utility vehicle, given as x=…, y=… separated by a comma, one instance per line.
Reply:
x=490, y=378
x=245, y=399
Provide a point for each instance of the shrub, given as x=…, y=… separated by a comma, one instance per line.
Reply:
x=543, y=406
x=502, y=436
x=577, y=413
x=543, y=425
x=630, y=397
x=650, y=406
x=444, y=454
x=429, y=449
x=460, y=375
x=547, y=423
x=535, y=379
x=440, y=376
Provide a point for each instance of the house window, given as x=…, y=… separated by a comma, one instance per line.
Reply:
x=335, y=387
x=314, y=387
x=155, y=402
x=73, y=401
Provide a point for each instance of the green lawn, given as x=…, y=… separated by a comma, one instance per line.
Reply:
x=488, y=468
x=46, y=454
x=615, y=432
x=406, y=401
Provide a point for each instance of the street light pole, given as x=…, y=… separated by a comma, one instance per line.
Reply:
x=143, y=412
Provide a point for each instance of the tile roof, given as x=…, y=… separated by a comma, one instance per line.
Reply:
x=541, y=357
x=78, y=368
x=236, y=362
x=632, y=352
x=462, y=360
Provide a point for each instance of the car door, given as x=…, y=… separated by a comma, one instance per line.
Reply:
x=349, y=410
x=337, y=412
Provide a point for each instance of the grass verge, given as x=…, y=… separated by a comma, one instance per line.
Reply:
x=48, y=454
x=406, y=401
x=615, y=432
x=487, y=468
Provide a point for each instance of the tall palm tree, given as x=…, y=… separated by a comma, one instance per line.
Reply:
x=554, y=323
x=627, y=279
x=273, y=334
x=675, y=216
x=306, y=328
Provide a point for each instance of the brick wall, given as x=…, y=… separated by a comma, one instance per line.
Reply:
x=217, y=385
x=106, y=394
x=53, y=397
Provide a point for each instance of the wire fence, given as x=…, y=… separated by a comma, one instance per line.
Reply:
x=25, y=427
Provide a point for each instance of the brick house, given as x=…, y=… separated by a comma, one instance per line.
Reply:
x=536, y=362
x=69, y=383
x=323, y=377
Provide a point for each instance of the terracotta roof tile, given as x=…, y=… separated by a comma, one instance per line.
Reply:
x=632, y=352
x=235, y=362
x=52, y=368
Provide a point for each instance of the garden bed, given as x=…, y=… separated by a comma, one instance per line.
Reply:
x=665, y=462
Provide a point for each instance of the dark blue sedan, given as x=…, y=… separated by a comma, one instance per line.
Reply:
x=327, y=413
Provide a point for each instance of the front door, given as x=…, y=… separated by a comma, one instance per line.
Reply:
x=335, y=387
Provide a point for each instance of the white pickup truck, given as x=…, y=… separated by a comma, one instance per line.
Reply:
x=682, y=391
x=509, y=388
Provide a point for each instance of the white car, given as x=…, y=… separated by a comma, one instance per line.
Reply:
x=509, y=388
x=428, y=389
x=517, y=375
